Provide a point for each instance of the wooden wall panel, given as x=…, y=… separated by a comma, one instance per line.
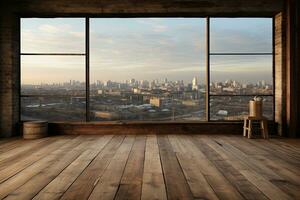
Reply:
x=150, y=128
x=161, y=7
x=292, y=68
x=280, y=72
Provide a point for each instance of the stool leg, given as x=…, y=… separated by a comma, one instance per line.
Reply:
x=250, y=129
x=266, y=131
x=245, y=128
x=262, y=129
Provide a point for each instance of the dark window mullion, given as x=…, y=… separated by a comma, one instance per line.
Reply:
x=207, y=96
x=240, y=54
x=87, y=67
x=241, y=95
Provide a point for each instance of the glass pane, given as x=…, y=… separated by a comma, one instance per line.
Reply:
x=240, y=35
x=241, y=75
x=52, y=35
x=55, y=75
x=57, y=82
x=55, y=108
x=147, y=69
x=236, y=107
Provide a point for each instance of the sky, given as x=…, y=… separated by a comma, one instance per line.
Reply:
x=145, y=49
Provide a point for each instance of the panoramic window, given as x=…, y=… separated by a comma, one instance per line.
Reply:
x=53, y=69
x=145, y=69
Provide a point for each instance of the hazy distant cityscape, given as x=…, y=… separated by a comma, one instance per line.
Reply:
x=146, y=100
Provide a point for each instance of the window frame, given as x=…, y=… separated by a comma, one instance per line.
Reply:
x=208, y=96
x=208, y=65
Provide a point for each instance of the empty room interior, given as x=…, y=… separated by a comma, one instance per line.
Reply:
x=149, y=99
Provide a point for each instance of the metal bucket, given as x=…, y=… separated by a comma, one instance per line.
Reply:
x=255, y=109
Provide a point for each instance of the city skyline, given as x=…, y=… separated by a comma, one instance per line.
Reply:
x=146, y=48
x=151, y=80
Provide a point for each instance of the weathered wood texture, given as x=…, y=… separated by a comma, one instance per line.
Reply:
x=150, y=167
x=280, y=71
x=293, y=67
x=130, y=128
x=162, y=7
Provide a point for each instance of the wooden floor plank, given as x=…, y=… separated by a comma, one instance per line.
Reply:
x=261, y=182
x=176, y=184
x=220, y=185
x=248, y=160
x=131, y=182
x=10, y=143
x=26, y=153
x=192, y=173
x=61, y=183
x=10, y=169
x=84, y=184
x=270, y=190
x=39, y=181
x=22, y=148
x=153, y=178
x=149, y=167
x=245, y=187
x=270, y=160
x=5, y=141
x=268, y=166
x=21, y=177
x=108, y=184
x=292, y=142
x=276, y=151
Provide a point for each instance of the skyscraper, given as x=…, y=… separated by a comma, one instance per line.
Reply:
x=195, y=84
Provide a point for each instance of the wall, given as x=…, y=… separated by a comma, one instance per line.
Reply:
x=293, y=68
x=9, y=74
x=121, y=128
x=11, y=10
x=280, y=71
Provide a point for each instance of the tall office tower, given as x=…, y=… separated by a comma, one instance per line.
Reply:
x=195, y=84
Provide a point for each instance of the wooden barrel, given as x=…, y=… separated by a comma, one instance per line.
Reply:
x=35, y=129
x=255, y=109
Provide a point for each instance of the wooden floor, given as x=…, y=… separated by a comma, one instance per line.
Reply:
x=149, y=167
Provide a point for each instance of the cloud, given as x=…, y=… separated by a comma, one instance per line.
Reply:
x=160, y=28
x=52, y=39
x=49, y=28
x=227, y=40
x=152, y=49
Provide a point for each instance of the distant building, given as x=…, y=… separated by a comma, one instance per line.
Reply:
x=228, y=89
x=156, y=101
x=195, y=84
x=190, y=102
x=114, y=92
x=137, y=91
x=100, y=92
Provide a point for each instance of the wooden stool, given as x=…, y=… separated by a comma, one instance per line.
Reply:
x=263, y=126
